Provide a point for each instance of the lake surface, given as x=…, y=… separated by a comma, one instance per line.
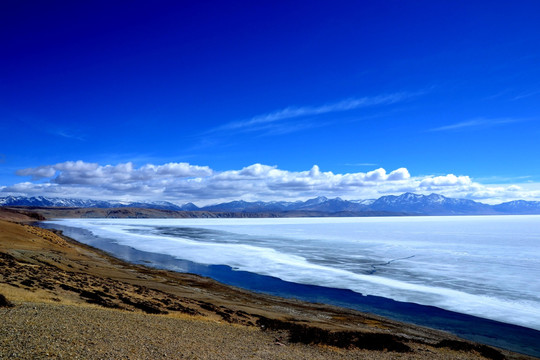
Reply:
x=482, y=266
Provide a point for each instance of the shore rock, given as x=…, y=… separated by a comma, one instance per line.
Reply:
x=5, y=302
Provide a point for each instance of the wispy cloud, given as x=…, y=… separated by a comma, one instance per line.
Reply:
x=360, y=164
x=272, y=129
x=526, y=95
x=504, y=179
x=498, y=94
x=67, y=135
x=259, y=122
x=474, y=124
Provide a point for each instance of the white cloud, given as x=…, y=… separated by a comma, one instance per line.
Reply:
x=83, y=173
x=399, y=174
x=183, y=182
x=40, y=172
x=376, y=175
x=447, y=180
x=181, y=170
x=75, y=166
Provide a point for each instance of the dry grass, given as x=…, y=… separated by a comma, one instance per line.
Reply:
x=20, y=295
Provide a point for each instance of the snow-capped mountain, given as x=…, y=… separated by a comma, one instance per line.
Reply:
x=50, y=202
x=408, y=203
x=433, y=204
x=519, y=207
x=189, y=207
x=256, y=206
x=332, y=205
x=40, y=201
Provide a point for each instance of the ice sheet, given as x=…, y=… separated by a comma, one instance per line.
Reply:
x=486, y=266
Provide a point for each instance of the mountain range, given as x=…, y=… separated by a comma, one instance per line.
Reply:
x=40, y=201
x=407, y=203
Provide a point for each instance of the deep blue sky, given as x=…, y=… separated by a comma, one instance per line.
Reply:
x=437, y=87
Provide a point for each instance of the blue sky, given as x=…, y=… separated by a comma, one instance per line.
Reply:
x=212, y=101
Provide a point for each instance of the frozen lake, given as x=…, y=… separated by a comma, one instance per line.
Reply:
x=485, y=266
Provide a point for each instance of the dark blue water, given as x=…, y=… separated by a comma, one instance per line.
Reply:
x=489, y=332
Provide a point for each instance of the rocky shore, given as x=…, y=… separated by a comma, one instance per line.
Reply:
x=62, y=299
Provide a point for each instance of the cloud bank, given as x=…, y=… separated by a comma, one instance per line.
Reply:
x=184, y=182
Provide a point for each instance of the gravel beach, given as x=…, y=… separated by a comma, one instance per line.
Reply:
x=45, y=331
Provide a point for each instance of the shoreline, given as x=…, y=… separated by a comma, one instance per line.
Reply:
x=76, y=273
x=469, y=327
